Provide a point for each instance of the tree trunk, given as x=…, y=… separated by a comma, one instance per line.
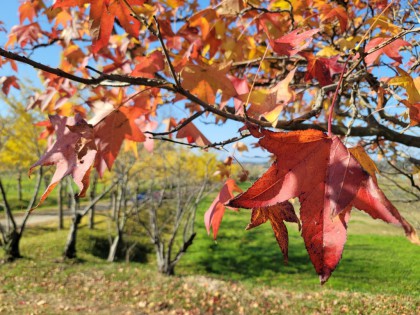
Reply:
x=167, y=270
x=160, y=257
x=11, y=248
x=92, y=197
x=70, y=248
x=60, y=204
x=115, y=247
x=19, y=186
x=114, y=204
x=12, y=238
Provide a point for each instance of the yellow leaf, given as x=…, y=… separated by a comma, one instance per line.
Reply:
x=365, y=161
x=257, y=97
x=145, y=9
x=274, y=100
x=349, y=42
x=407, y=82
x=175, y=3
x=281, y=5
x=384, y=24
x=327, y=51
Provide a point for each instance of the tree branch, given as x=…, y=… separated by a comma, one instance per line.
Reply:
x=92, y=81
x=180, y=126
x=293, y=124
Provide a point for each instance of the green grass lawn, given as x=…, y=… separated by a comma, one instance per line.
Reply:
x=243, y=273
x=371, y=263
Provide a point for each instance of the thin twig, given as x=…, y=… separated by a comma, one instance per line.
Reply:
x=337, y=91
x=165, y=51
x=178, y=127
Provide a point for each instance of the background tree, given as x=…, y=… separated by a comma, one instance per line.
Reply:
x=22, y=143
x=70, y=249
x=173, y=184
x=19, y=142
x=345, y=68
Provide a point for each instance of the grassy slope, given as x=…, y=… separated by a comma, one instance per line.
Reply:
x=242, y=273
x=371, y=263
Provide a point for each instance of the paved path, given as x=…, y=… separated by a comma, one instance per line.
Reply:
x=47, y=216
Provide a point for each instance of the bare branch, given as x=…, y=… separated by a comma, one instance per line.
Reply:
x=180, y=126
x=93, y=81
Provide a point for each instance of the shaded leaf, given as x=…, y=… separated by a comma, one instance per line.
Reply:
x=122, y=122
x=276, y=215
x=321, y=68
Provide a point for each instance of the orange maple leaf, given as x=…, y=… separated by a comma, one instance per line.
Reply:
x=103, y=14
x=205, y=80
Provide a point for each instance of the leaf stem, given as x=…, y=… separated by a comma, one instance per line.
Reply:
x=339, y=86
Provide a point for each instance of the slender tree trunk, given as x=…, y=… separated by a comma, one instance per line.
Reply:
x=119, y=222
x=92, y=197
x=70, y=248
x=115, y=247
x=11, y=247
x=160, y=257
x=46, y=180
x=19, y=186
x=14, y=234
x=11, y=224
x=60, y=204
x=114, y=204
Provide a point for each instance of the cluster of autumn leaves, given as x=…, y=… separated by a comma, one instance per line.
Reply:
x=212, y=51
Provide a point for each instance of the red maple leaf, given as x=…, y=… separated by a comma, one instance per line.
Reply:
x=214, y=214
x=9, y=82
x=391, y=50
x=290, y=44
x=321, y=68
x=73, y=152
x=276, y=215
x=148, y=65
x=191, y=132
x=111, y=132
x=242, y=88
x=414, y=112
x=328, y=181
